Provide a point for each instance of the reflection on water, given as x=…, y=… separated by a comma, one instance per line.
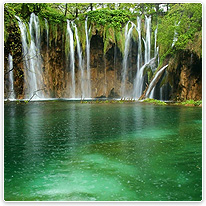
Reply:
x=86, y=152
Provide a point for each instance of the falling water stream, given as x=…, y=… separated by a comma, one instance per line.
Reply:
x=11, y=78
x=47, y=33
x=154, y=80
x=81, y=64
x=128, y=33
x=33, y=74
x=88, y=95
x=72, y=66
x=148, y=39
x=137, y=91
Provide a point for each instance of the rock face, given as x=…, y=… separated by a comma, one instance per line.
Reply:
x=106, y=69
x=16, y=51
x=187, y=77
x=185, y=74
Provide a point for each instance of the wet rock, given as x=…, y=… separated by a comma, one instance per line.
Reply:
x=113, y=94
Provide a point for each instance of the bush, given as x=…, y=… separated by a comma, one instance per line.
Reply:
x=191, y=102
x=154, y=101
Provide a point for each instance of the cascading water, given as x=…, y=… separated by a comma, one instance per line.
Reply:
x=72, y=67
x=151, y=95
x=156, y=49
x=81, y=64
x=140, y=77
x=175, y=34
x=46, y=63
x=115, y=60
x=155, y=43
x=139, y=80
x=32, y=58
x=137, y=91
x=148, y=39
x=33, y=62
x=11, y=78
x=47, y=33
x=88, y=91
x=128, y=33
x=156, y=54
x=154, y=80
x=164, y=95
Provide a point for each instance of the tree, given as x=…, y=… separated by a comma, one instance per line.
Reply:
x=179, y=27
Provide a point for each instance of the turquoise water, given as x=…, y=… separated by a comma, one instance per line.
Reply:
x=68, y=151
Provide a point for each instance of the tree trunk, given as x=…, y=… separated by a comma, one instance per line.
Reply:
x=76, y=12
x=65, y=10
x=167, y=7
x=91, y=6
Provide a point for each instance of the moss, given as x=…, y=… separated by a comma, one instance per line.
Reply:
x=114, y=18
x=154, y=101
x=196, y=45
x=190, y=102
x=120, y=40
x=164, y=80
x=108, y=38
x=149, y=73
x=107, y=101
x=135, y=35
x=82, y=35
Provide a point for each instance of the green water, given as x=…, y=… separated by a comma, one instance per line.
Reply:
x=67, y=151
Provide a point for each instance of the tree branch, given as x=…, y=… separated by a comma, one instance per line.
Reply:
x=34, y=94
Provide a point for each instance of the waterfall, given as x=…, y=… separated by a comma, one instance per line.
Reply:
x=174, y=39
x=139, y=80
x=115, y=60
x=11, y=78
x=47, y=33
x=155, y=80
x=155, y=43
x=161, y=93
x=125, y=58
x=175, y=34
x=164, y=92
x=72, y=68
x=32, y=58
x=137, y=83
x=88, y=93
x=148, y=37
x=46, y=63
x=151, y=95
x=81, y=64
x=156, y=53
x=140, y=77
x=105, y=77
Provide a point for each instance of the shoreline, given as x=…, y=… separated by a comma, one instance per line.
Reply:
x=188, y=103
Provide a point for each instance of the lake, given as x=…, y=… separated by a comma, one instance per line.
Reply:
x=68, y=151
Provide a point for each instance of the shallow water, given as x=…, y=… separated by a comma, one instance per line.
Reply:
x=68, y=151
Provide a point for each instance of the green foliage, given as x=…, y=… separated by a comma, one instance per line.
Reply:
x=183, y=19
x=108, y=38
x=107, y=101
x=135, y=35
x=164, y=80
x=111, y=18
x=53, y=15
x=190, y=102
x=149, y=72
x=110, y=24
x=120, y=40
x=154, y=101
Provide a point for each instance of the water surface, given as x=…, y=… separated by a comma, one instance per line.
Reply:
x=68, y=151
